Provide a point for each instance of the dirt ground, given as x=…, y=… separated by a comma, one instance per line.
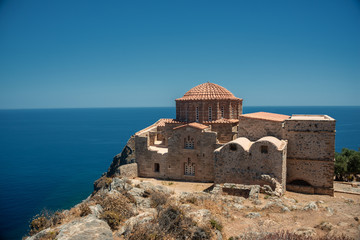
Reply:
x=335, y=215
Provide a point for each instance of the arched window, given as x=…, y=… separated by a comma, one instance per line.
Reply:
x=189, y=143
x=222, y=112
x=197, y=114
x=210, y=114
x=189, y=168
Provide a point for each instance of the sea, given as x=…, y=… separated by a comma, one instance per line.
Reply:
x=51, y=157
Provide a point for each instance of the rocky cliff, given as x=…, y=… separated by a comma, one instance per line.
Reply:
x=123, y=206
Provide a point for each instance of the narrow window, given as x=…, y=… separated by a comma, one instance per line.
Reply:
x=189, y=143
x=156, y=167
x=233, y=147
x=264, y=149
x=189, y=168
x=222, y=112
x=232, y=112
x=197, y=114
x=210, y=113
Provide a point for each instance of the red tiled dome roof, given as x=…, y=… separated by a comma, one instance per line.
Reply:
x=208, y=91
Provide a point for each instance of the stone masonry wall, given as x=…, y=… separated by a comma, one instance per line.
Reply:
x=319, y=174
x=226, y=132
x=310, y=139
x=234, y=163
x=311, y=151
x=147, y=159
x=201, y=156
x=254, y=129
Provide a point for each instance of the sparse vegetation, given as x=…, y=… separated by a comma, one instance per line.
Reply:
x=192, y=200
x=112, y=218
x=84, y=210
x=216, y=225
x=38, y=224
x=103, y=182
x=45, y=220
x=171, y=223
x=285, y=235
x=158, y=199
x=167, y=183
x=117, y=208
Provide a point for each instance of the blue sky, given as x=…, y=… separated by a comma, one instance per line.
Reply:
x=56, y=54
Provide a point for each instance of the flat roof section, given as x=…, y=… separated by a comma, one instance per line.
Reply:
x=266, y=116
x=311, y=117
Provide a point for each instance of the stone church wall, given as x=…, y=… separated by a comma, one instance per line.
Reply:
x=146, y=159
x=225, y=132
x=254, y=129
x=244, y=162
x=201, y=156
x=311, y=152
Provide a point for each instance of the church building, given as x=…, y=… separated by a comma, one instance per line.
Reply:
x=211, y=140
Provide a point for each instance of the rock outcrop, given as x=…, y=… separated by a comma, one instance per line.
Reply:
x=126, y=156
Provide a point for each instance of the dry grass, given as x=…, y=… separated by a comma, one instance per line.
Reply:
x=45, y=220
x=103, y=182
x=171, y=223
x=117, y=208
x=285, y=235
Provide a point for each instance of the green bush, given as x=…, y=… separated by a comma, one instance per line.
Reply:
x=347, y=163
x=216, y=225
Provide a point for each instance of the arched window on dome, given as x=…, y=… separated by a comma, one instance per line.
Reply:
x=197, y=114
x=189, y=143
x=210, y=114
x=222, y=111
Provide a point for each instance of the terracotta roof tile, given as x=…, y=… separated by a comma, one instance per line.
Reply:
x=223, y=120
x=266, y=116
x=208, y=91
x=193, y=124
x=162, y=121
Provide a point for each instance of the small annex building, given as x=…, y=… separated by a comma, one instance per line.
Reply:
x=211, y=140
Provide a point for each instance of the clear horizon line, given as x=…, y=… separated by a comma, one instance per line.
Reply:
x=49, y=108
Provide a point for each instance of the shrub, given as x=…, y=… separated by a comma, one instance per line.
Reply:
x=149, y=231
x=38, y=224
x=158, y=199
x=103, y=182
x=192, y=199
x=112, y=218
x=41, y=221
x=84, y=210
x=216, y=225
x=116, y=208
x=346, y=163
x=171, y=223
x=57, y=218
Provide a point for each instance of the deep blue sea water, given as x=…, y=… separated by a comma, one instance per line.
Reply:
x=50, y=157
